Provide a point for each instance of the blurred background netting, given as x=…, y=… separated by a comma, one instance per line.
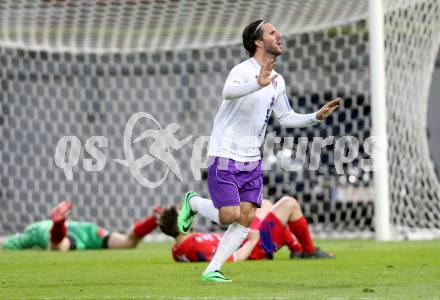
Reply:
x=82, y=68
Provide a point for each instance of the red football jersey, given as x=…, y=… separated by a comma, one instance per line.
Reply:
x=202, y=246
x=197, y=247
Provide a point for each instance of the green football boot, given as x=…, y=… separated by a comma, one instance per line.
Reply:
x=215, y=276
x=186, y=215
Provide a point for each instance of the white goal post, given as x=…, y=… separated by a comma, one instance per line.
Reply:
x=379, y=117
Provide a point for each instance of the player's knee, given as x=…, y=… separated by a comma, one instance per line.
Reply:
x=247, y=217
x=229, y=217
x=131, y=243
x=290, y=203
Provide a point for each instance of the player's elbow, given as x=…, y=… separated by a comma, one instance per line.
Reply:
x=230, y=92
x=283, y=123
x=226, y=95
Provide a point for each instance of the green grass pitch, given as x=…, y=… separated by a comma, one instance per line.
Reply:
x=362, y=270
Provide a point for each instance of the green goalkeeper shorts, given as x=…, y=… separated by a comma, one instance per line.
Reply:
x=82, y=235
x=87, y=235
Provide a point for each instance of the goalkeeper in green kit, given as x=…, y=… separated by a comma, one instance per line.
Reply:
x=59, y=234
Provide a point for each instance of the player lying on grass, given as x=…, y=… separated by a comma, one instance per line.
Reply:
x=274, y=226
x=58, y=234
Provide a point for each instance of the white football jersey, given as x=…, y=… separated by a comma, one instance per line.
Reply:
x=240, y=124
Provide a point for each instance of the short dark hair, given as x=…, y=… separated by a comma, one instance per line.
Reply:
x=251, y=34
x=168, y=222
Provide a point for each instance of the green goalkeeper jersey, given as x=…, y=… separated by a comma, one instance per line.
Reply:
x=85, y=235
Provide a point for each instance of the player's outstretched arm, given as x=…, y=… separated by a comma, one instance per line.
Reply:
x=244, y=251
x=288, y=118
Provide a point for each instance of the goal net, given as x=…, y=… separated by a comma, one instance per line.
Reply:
x=84, y=68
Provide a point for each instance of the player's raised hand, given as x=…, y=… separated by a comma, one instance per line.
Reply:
x=328, y=108
x=264, y=77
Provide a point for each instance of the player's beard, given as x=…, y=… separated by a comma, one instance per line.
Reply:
x=273, y=50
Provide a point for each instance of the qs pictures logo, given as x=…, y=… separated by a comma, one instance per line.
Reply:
x=163, y=143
